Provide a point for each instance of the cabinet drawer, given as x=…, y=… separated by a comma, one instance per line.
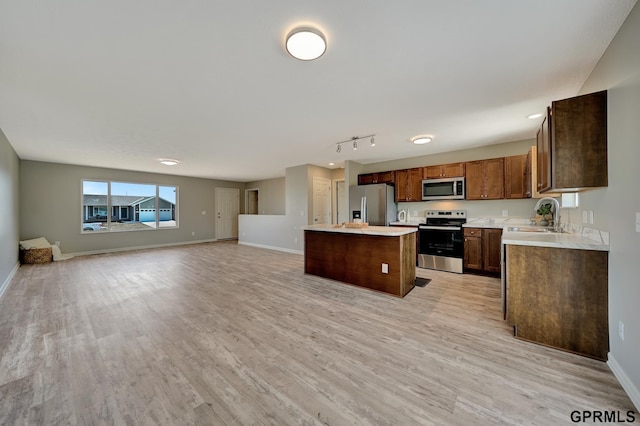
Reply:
x=472, y=232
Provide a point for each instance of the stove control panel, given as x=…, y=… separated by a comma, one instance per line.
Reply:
x=459, y=214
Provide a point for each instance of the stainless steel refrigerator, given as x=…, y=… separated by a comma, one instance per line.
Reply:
x=374, y=204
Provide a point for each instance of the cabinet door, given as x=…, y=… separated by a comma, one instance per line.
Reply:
x=493, y=179
x=543, y=141
x=432, y=172
x=366, y=179
x=415, y=185
x=474, y=184
x=453, y=170
x=491, y=246
x=402, y=185
x=515, y=176
x=385, y=177
x=473, y=253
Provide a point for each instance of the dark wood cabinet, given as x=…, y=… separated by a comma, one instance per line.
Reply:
x=485, y=179
x=482, y=248
x=572, y=144
x=516, y=177
x=472, y=249
x=380, y=177
x=558, y=297
x=408, y=185
x=443, y=171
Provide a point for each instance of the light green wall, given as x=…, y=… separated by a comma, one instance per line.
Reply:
x=50, y=206
x=615, y=207
x=9, y=210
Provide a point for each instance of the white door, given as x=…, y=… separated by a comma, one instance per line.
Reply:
x=342, y=208
x=227, y=209
x=321, y=200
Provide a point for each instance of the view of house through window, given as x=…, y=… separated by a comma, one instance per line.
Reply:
x=133, y=206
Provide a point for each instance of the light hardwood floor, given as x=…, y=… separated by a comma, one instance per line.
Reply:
x=224, y=334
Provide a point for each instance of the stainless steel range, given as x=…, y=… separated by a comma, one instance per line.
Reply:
x=441, y=239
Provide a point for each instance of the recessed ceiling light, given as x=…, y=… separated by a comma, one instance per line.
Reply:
x=306, y=43
x=422, y=139
x=169, y=162
x=332, y=164
x=534, y=116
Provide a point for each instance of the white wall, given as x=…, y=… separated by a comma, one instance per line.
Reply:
x=615, y=207
x=50, y=197
x=9, y=211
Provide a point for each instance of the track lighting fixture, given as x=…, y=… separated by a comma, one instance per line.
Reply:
x=354, y=142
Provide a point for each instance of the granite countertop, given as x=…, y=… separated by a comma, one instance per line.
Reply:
x=574, y=237
x=385, y=231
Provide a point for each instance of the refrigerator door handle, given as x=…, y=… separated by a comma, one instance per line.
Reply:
x=363, y=208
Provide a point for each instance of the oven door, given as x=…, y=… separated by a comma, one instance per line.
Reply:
x=441, y=247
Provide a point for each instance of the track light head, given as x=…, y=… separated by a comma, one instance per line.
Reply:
x=355, y=145
x=339, y=148
x=373, y=141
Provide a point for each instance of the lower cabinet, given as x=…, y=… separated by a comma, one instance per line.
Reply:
x=482, y=250
x=558, y=297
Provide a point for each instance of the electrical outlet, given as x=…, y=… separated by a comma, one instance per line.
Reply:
x=244, y=234
x=505, y=213
x=204, y=212
x=415, y=213
x=193, y=234
x=621, y=330
x=637, y=221
x=585, y=216
x=591, y=217
x=295, y=240
x=385, y=268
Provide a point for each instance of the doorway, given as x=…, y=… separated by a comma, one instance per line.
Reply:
x=227, y=204
x=341, y=202
x=251, y=198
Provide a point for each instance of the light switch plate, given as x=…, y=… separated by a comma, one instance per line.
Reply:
x=505, y=213
x=585, y=216
x=591, y=217
x=385, y=268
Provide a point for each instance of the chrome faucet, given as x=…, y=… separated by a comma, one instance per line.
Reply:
x=555, y=214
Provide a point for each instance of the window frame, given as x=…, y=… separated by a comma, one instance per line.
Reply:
x=109, y=207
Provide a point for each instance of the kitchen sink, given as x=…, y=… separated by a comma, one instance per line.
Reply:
x=532, y=229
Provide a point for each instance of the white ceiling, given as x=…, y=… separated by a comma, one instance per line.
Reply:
x=121, y=84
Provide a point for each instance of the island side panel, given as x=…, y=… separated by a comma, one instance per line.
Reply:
x=357, y=259
x=408, y=271
x=558, y=297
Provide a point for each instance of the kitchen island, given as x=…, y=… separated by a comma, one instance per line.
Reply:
x=380, y=258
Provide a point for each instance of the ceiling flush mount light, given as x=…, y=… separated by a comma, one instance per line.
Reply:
x=532, y=116
x=421, y=140
x=168, y=162
x=354, y=142
x=306, y=43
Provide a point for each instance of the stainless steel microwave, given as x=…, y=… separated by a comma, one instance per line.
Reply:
x=443, y=189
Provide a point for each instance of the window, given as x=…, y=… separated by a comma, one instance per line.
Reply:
x=133, y=206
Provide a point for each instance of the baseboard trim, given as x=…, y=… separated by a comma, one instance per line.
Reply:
x=264, y=246
x=7, y=282
x=150, y=246
x=624, y=380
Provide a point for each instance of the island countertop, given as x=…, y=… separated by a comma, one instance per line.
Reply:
x=383, y=231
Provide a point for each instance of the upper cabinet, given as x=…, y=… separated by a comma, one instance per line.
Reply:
x=444, y=171
x=572, y=145
x=380, y=177
x=409, y=185
x=516, y=177
x=485, y=179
